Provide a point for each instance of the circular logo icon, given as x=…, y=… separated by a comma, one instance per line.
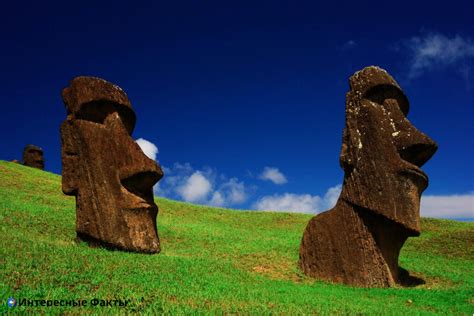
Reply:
x=11, y=302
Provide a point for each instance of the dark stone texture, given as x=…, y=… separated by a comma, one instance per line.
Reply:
x=33, y=157
x=359, y=240
x=105, y=169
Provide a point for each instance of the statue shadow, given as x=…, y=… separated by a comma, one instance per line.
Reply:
x=407, y=280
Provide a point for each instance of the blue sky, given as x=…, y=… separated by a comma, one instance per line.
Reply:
x=245, y=100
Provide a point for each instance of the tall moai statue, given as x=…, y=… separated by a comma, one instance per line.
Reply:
x=105, y=169
x=33, y=157
x=359, y=240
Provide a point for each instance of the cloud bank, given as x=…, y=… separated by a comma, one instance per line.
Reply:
x=274, y=175
x=299, y=203
x=448, y=206
x=204, y=186
x=460, y=206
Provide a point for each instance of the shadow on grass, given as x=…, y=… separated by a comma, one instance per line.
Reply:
x=408, y=280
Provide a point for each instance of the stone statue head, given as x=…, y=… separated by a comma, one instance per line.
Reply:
x=33, y=157
x=382, y=152
x=105, y=169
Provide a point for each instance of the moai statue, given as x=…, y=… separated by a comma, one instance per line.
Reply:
x=359, y=240
x=105, y=169
x=33, y=157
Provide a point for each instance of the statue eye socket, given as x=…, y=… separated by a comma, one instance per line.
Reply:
x=98, y=111
x=380, y=93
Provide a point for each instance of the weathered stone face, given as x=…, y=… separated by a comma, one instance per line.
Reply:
x=33, y=157
x=382, y=151
x=359, y=240
x=106, y=170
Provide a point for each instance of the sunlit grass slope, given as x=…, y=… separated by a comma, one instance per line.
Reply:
x=212, y=261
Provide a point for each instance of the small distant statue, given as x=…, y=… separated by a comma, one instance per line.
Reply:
x=33, y=157
x=105, y=169
x=358, y=241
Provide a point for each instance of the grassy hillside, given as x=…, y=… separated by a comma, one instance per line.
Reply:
x=212, y=261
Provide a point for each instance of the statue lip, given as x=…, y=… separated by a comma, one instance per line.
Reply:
x=417, y=172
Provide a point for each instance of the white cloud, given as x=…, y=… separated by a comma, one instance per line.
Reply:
x=217, y=199
x=348, y=45
x=299, y=203
x=331, y=196
x=229, y=193
x=274, y=175
x=148, y=148
x=437, y=50
x=441, y=206
x=204, y=186
x=448, y=206
x=196, y=188
x=174, y=178
x=289, y=202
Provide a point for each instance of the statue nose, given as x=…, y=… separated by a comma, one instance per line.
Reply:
x=140, y=174
x=416, y=147
x=141, y=183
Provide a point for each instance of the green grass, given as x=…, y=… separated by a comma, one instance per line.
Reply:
x=213, y=260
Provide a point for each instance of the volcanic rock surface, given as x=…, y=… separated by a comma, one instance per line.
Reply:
x=358, y=241
x=33, y=157
x=105, y=169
